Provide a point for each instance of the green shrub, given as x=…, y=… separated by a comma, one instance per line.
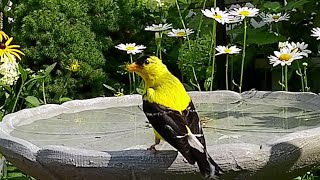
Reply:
x=60, y=31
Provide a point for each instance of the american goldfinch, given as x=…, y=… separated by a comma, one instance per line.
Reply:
x=172, y=114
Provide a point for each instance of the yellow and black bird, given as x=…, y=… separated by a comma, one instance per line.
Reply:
x=172, y=114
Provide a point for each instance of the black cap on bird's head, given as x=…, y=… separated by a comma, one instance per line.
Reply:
x=141, y=60
x=145, y=64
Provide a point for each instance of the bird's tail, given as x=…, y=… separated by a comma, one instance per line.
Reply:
x=208, y=168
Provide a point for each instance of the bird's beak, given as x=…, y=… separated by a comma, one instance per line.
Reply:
x=133, y=67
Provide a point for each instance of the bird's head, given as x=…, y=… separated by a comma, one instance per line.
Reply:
x=148, y=67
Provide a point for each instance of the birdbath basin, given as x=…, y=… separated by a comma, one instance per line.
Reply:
x=252, y=135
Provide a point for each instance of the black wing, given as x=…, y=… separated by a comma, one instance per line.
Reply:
x=171, y=125
x=193, y=122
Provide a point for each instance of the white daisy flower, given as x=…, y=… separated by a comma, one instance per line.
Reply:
x=284, y=57
x=257, y=24
x=300, y=47
x=234, y=19
x=131, y=48
x=158, y=27
x=227, y=50
x=316, y=32
x=283, y=44
x=216, y=14
x=180, y=32
x=234, y=6
x=269, y=18
x=244, y=12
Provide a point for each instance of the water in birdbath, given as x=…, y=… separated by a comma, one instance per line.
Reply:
x=254, y=121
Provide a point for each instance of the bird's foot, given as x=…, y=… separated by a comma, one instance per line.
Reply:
x=153, y=149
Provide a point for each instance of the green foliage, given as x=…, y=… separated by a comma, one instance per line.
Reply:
x=272, y=6
x=60, y=31
x=13, y=173
x=197, y=58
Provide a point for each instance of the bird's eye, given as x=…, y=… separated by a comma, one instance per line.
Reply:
x=146, y=62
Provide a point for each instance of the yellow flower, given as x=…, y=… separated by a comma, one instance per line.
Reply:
x=117, y=94
x=7, y=50
x=74, y=66
x=3, y=36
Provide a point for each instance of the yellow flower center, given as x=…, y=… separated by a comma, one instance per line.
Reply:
x=244, y=13
x=275, y=17
x=227, y=51
x=285, y=57
x=74, y=66
x=217, y=16
x=130, y=48
x=181, y=34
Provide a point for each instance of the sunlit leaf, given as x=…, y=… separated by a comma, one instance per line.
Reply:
x=273, y=6
x=109, y=87
x=33, y=101
x=23, y=73
x=50, y=68
x=64, y=99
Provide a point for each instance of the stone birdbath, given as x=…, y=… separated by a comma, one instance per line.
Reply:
x=252, y=135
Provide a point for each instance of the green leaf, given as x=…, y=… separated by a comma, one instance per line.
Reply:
x=6, y=87
x=294, y=4
x=50, y=68
x=64, y=99
x=140, y=90
x=1, y=115
x=33, y=101
x=23, y=73
x=188, y=88
x=273, y=6
x=110, y=88
x=263, y=37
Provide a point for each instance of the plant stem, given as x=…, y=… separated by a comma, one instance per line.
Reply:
x=1, y=20
x=160, y=53
x=231, y=73
x=44, y=93
x=301, y=76
x=305, y=78
x=227, y=64
x=20, y=90
x=64, y=88
x=212, y=42
x=282, y=78
x=286, y=76
x=200, y=23
x=190, y=50
x=213, y=49
x=130, y=83
x=133, y=77
x=158, y=38
x=243, y=52
x=157, y=43
x=184, y=26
